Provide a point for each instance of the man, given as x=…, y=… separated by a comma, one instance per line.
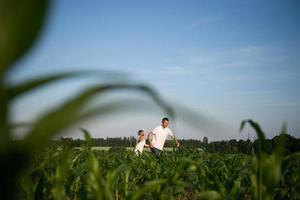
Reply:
x=158, y=136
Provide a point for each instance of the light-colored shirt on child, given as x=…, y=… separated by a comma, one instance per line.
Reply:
x=140, y=146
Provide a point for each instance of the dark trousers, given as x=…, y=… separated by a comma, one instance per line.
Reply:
x=155, y=151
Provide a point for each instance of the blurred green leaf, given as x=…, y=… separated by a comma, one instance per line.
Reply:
x=199, y=120
x=27, y=86
x=65, y=115
x=260, y=135
x=148, y=187
x=87, y=137
x=209, y=195
x=21, y=22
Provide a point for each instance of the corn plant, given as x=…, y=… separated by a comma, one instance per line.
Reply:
x=266, y=168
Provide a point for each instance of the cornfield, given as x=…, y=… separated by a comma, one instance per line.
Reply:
x=184, y=173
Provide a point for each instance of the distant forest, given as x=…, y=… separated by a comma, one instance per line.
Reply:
x=292, y=144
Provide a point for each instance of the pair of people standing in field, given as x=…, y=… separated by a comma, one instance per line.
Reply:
x=156, y=137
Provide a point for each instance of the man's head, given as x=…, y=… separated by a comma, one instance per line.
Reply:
x=165, y=122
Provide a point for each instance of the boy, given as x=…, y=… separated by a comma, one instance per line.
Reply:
x=140, y=143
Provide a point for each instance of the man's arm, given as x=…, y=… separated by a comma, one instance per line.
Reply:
x=174, y=138
x=177, y=143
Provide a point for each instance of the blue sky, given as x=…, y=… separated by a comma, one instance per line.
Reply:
x=230, y=60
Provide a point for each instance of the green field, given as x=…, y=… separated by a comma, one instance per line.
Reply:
x=185, y=173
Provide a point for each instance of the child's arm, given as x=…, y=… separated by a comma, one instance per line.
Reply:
x=147, y=145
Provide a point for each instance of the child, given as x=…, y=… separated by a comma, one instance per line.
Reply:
x=140, y=143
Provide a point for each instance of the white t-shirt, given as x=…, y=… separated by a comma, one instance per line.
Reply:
x=160, y=135
x=140, y=146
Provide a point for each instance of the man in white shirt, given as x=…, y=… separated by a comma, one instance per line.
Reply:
x=158, y=136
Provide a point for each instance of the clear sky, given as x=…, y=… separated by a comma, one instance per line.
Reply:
x=230, y=60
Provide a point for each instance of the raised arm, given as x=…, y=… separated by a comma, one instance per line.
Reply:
x=177, y=143
x=174, y=138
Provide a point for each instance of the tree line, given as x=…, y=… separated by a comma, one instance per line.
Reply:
x=292, y=144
